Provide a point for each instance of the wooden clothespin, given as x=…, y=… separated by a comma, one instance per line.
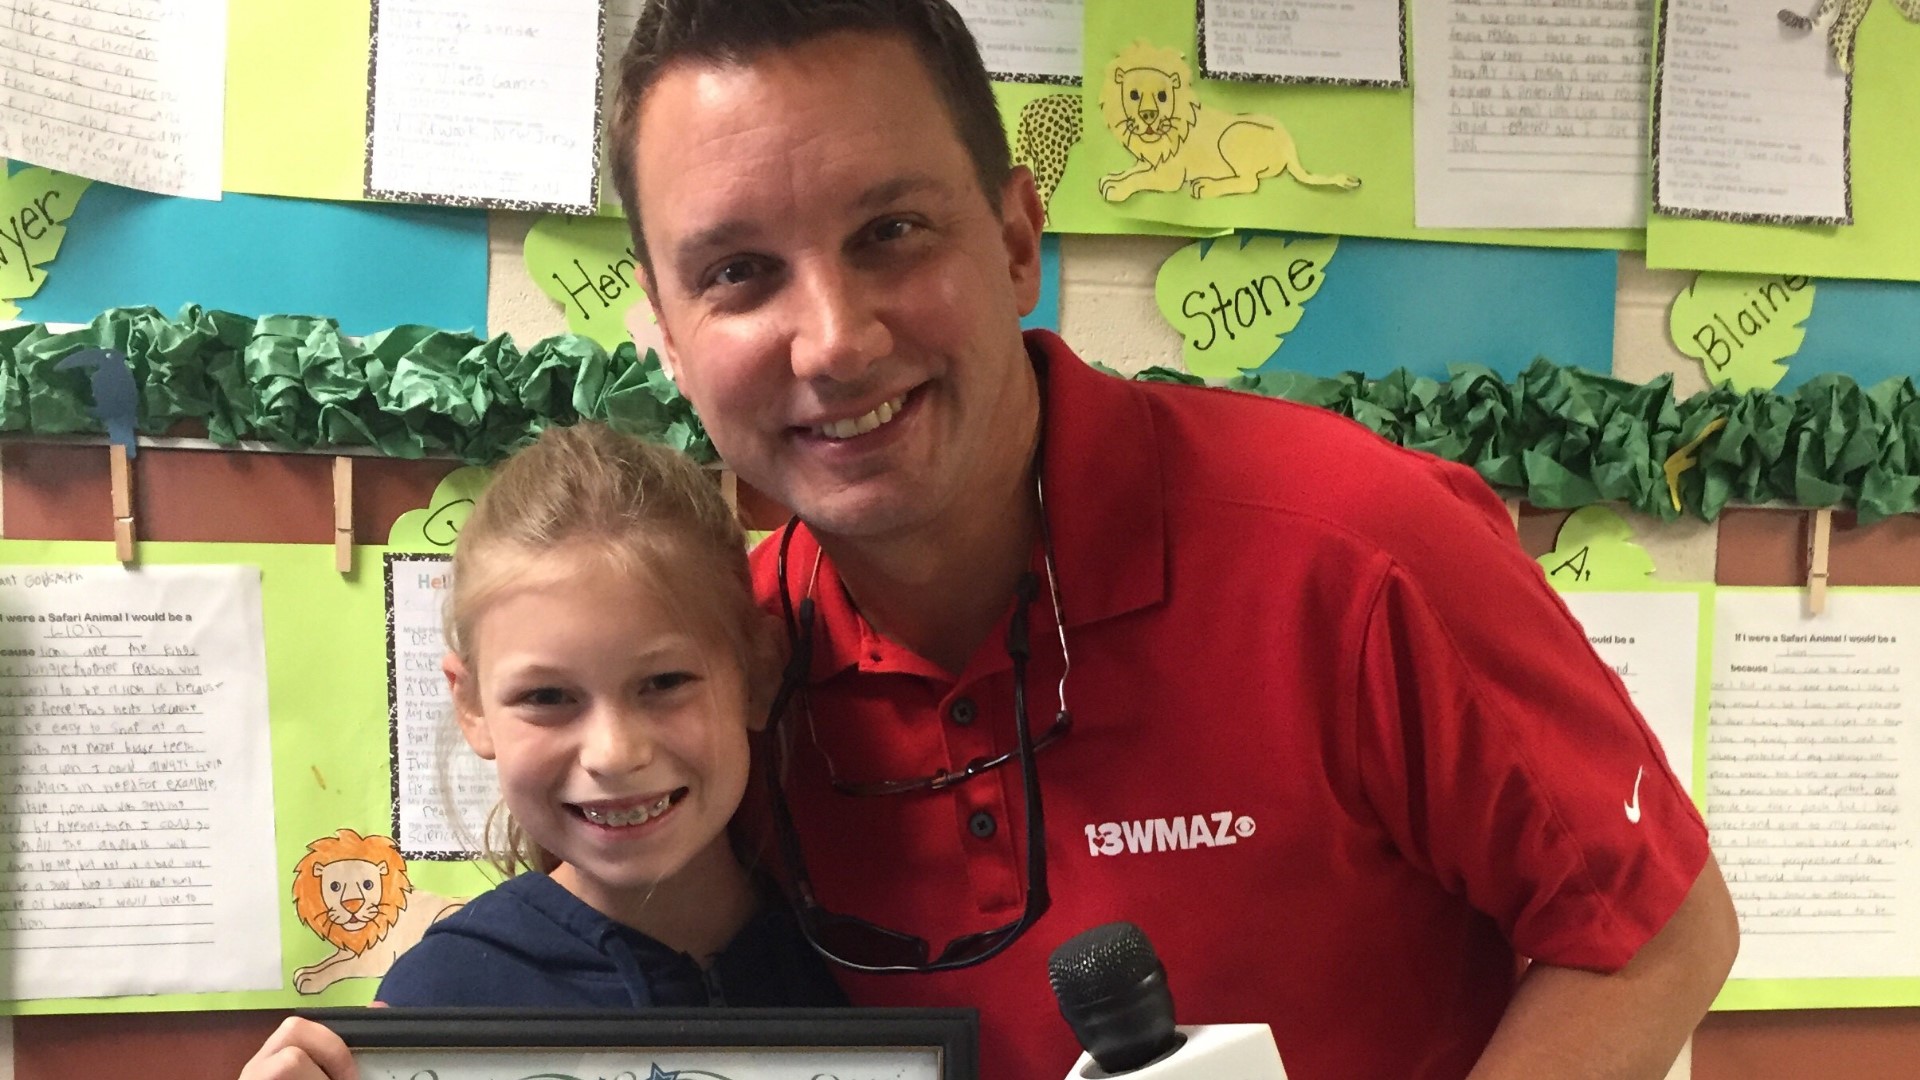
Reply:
x=120, y=471
x=1819, y=537
x=343, y=514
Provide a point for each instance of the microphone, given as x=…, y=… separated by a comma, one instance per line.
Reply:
x=1113, y=993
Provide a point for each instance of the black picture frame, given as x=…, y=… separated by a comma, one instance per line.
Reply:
x=953, y=1033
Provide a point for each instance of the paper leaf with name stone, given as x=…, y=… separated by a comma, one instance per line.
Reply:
x=1234, y=301
x=1742, y=327
x=37, y=203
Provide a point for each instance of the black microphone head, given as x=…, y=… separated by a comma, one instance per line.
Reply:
x=1113, y=994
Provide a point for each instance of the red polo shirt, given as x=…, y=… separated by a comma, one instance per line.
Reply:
x=1338, y=748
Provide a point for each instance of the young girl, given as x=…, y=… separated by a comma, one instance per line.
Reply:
x=606, y=655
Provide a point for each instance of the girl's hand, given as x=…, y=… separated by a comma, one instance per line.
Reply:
x=302, y=1050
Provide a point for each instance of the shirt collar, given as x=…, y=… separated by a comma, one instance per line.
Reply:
x=1105, y=506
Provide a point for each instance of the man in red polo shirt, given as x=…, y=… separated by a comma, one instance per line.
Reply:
x=1296, y=702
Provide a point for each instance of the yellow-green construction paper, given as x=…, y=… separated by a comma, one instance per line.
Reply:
x=1742, y=327
x=435, y=526
x=587, y=266
x=36, y=203
x=1363, y=132
x=1884, y=239
x=1232, y=302
x=297, y=98
x=327, y=695
x=1596, y=549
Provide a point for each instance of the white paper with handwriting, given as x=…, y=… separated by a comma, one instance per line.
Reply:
x=131, y=92
x=136, y=785
x=1027, y=40
x=442, y=790
x=1813, y=754
x=1531, y=113
x=1651, y=639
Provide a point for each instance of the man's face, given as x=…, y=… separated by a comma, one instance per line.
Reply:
x=839, y=299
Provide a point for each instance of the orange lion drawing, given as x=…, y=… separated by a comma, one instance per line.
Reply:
x=353, y=892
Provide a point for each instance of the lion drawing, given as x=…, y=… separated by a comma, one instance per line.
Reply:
x=353, y=892
x=1149, y=102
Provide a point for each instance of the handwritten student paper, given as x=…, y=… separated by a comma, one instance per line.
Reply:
x=1027, y=40
x=1530, y=113
x=1651, y=639
x=132, y=92
x=442, y=792
x=485, y=103
x=1349, y=41
x=1751, y=118
x=137, y=818
x=1813, y=754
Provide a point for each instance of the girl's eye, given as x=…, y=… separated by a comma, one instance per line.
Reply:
x=672, y=680
x=544, y=697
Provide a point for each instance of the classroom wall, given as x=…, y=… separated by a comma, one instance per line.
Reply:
x=1108, y=312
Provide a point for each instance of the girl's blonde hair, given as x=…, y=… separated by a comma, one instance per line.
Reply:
x=648, y=511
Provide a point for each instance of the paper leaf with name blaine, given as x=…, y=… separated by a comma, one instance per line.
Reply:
x=38, y=203
x=1233, y=302
x=1742, y=327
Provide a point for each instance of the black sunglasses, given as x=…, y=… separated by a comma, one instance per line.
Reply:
x=856, y=943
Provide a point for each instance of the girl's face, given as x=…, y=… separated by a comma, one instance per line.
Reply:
x=620, y=737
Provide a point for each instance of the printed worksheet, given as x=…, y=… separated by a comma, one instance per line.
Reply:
x=135, y=762
x=1531, y=114
x=1751, y=118
x=485, y=103
x=131, y=92
x=1651, y=639
x=442, y=791
x=1359, y=42
x=1027, y=40
x=1813, y=750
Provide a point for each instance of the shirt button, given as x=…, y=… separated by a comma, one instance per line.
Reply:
x=962, y=711
x=982, y=825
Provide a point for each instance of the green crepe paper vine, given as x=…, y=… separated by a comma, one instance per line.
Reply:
x=299, y=382
x=1560, y=436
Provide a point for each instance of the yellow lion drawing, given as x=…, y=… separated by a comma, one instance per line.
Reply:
x=353, y=892
x=1151, y=105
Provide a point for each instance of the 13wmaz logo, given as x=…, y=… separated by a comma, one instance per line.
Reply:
x=1168, y=834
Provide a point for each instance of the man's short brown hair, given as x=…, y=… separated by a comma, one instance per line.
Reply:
x=736, y=31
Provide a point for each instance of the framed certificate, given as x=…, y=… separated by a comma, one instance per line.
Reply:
x=659, y=1044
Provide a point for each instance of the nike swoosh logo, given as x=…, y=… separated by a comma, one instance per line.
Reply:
x=1633, y=808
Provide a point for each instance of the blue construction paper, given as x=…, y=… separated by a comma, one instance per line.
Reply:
x=1398, y=303
x=368, y=265
x=1869, y=330
x=1046, y=314
x=115, y=398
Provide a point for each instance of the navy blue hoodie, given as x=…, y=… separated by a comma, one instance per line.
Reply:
x=531, y=943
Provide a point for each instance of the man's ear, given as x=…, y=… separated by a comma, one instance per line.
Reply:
x=466, y=705
x=1022, y=218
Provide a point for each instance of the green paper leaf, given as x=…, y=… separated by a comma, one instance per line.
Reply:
x=1596, y=548
x=587, y=266
x=36, y=203
x=1742, y=326
x=1233, y=302
x=437, y=525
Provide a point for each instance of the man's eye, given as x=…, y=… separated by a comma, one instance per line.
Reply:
x=735, y=273
x=893, y=229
